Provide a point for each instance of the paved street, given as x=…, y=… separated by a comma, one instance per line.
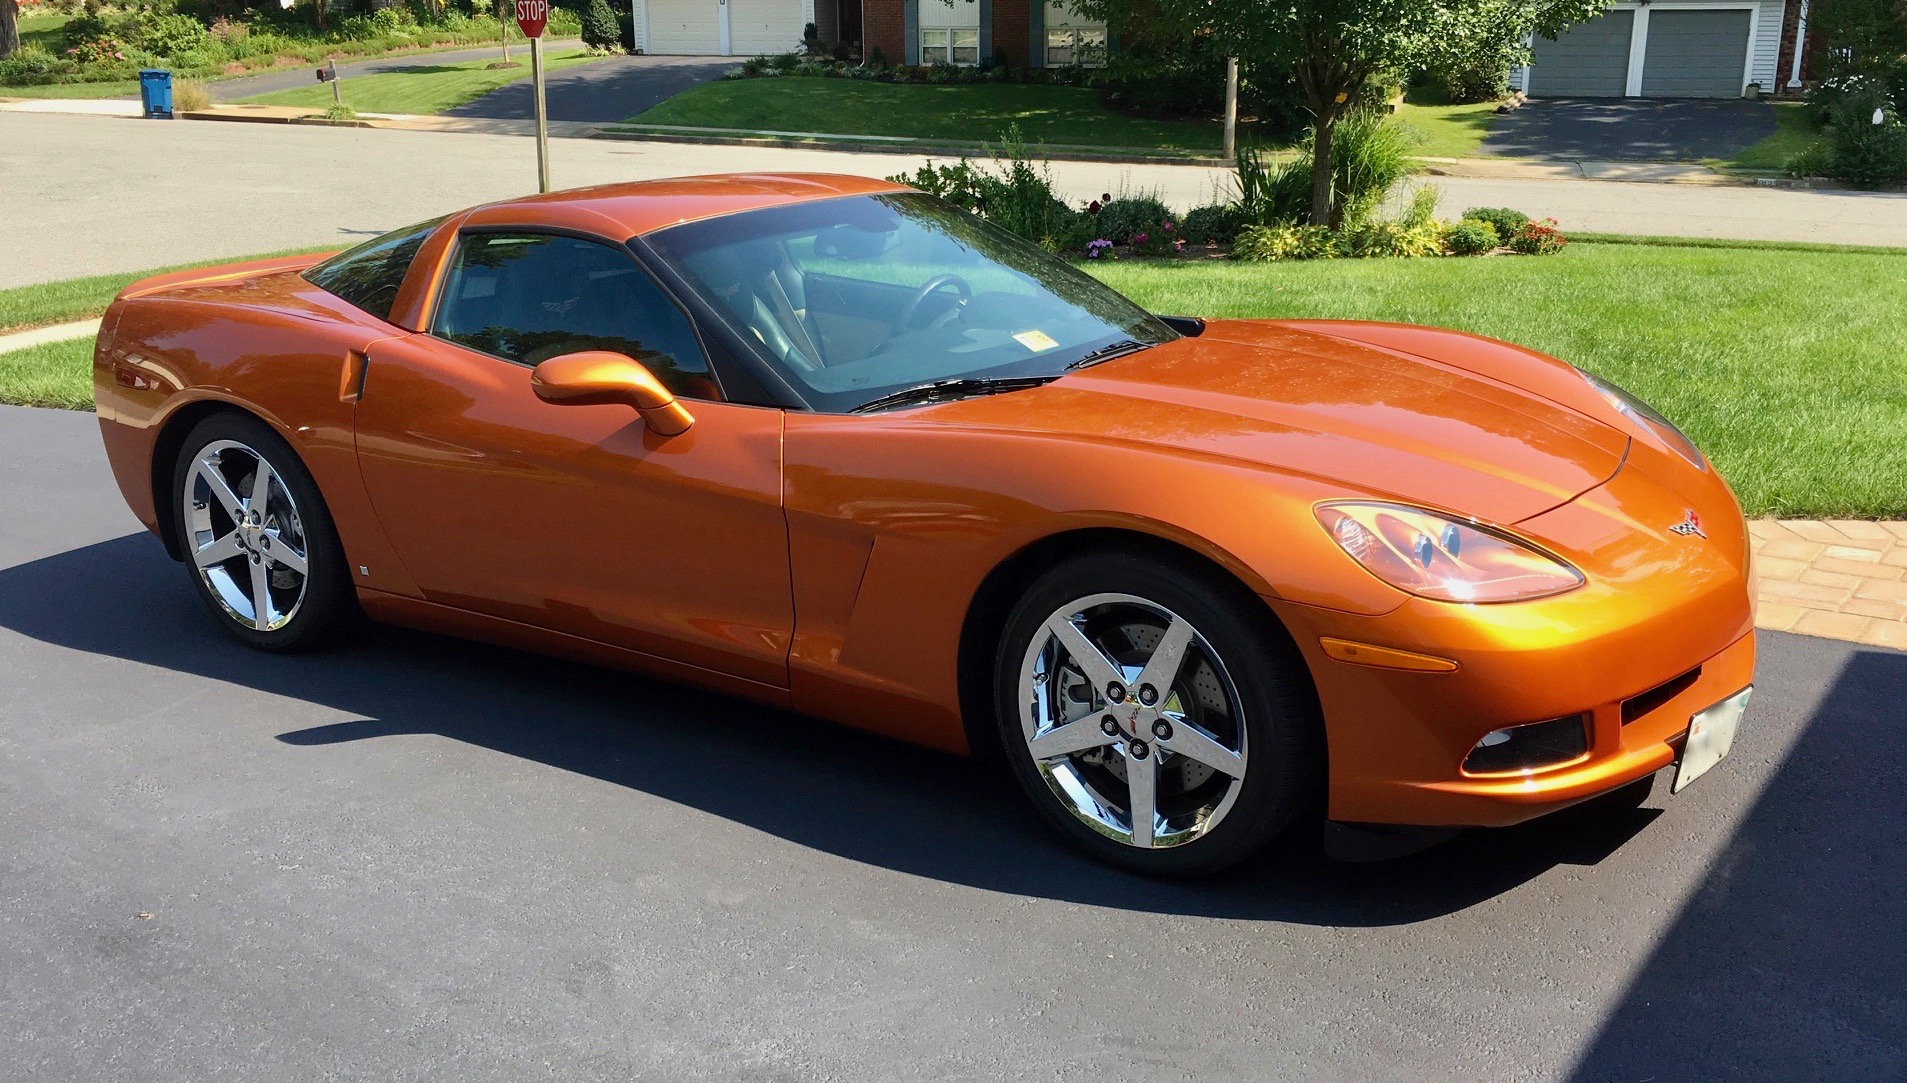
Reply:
x=417, y=858
x=88, y=195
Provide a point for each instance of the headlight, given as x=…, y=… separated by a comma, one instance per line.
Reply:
x=1442, y=559
x=1646, y=416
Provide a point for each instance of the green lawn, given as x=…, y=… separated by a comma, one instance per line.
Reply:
x=1787, y=364
x=968, y=114
x=43, y=30
x=422, y=90
x=79, y=298
x=1794, y=134
x=1788, y=367
x=125, y=88
x=1449, y=131
x=57, y=374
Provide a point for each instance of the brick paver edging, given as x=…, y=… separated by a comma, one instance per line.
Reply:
x=1842, y=579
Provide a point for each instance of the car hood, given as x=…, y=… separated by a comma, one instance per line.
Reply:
x=1377, y=421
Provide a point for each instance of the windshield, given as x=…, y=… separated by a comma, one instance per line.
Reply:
x=859, y=297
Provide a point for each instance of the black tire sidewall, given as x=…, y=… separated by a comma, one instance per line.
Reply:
x=330, y=603
x=1284, y=765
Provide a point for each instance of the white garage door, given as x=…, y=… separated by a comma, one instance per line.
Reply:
x=691, y=27
x=758, y=27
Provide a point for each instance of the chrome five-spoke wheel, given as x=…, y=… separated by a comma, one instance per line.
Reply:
x=254, y=531
x=1131, y=719
x=247, y=539
x=1155, y=711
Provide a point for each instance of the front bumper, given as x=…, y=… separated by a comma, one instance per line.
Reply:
x=1663, y=629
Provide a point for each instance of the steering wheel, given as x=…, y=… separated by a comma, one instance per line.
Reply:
x=927, y=290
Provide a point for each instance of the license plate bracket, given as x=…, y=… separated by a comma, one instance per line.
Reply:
x=1711, y=734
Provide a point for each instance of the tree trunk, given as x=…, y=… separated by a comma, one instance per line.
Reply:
x=1323, y=191
x=9, y=27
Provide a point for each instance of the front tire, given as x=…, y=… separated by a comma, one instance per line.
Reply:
x=1156, y=714
x=258, y=540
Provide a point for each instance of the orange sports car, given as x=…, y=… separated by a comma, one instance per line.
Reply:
x=830, y=444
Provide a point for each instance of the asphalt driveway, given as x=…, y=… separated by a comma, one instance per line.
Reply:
x=1624, y=130
x=418, y=858
x=600, y=92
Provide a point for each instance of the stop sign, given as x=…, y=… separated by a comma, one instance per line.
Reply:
x=532, y=16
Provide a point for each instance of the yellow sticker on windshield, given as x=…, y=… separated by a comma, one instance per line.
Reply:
x=1036, y=340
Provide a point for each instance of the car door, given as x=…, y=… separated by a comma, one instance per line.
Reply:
x=576, y=518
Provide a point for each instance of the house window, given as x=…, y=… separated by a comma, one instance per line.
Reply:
x=1085, y=45
x=950, y=45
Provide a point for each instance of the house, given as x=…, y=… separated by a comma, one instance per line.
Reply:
x=1672, y=49
x=1635, y=48
x=1025, y=32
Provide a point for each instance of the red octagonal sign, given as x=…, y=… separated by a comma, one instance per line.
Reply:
x=532, y=16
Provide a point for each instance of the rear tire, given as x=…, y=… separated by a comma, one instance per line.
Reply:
x=258, y=540
x=1123, y=681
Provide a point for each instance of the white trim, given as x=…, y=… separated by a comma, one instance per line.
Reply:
x=1638, y=49
x=721, y=28
x=640, y=13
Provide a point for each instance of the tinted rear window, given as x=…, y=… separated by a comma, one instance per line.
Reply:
x=369, y=275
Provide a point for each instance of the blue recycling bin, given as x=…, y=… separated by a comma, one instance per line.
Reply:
x=155, y=92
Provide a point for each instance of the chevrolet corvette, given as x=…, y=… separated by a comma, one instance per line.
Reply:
x=830, y=444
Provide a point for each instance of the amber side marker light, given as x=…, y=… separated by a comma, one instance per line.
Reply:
x=1369, y=654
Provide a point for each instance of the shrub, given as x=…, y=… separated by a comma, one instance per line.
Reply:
x=1506, y=221
x=958, y=184
x=1481, y=82
x=1861, y=152
x=1370, y=156
x=784, y=62
x=170, y=35
x=190, y=96
x=1470, y=237
x=1379, y=238
x=1538, y=238
x=875, y=58
x=600, y=29
x=32, y=65
x=1119, y=220
x=1017, y=195
x=1282, y=242
x=1216, y=223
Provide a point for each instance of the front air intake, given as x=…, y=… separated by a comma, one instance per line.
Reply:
x=1525, y=748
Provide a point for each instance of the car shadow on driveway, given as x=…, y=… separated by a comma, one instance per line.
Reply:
x=1789, y=961
x=859, y=796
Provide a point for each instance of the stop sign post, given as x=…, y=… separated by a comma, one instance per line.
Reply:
x=531, y=17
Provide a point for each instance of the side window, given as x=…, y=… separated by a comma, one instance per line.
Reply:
x=528, y=297
x=369, y=275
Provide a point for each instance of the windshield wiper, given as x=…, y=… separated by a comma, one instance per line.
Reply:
x=951, y=389
x=1107, y=353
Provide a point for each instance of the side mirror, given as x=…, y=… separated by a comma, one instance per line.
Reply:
x=598, y=377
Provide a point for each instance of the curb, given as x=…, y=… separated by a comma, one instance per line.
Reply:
x=897, y=146
x=40, y=336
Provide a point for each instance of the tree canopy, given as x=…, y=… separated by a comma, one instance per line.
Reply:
x=1336, y=47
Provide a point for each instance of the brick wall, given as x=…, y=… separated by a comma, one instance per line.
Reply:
x=884, y=27
x=1010, y=29
x=1784, y=57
